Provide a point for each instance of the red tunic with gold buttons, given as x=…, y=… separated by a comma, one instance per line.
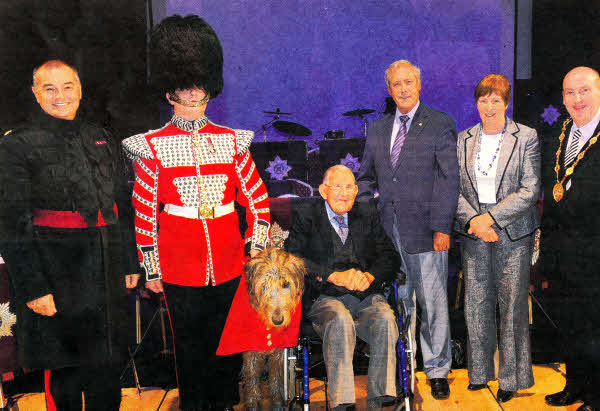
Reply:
x=202, y=168
x=245, y=330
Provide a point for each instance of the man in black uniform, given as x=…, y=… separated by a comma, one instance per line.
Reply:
x=67, y=237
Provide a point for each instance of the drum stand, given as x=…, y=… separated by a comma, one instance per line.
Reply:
x=139, y=338
x=360, y=113
x=366, y=123
x=267, y=125
x=535, y=300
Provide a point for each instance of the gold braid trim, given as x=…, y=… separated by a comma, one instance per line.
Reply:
x=558, y=191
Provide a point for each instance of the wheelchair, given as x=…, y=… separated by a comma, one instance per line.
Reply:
x=298, y=366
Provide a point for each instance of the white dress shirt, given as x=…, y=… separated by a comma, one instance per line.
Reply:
x=397, y=122
x=587, y=132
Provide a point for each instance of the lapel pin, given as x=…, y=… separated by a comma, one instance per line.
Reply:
x=420, y=124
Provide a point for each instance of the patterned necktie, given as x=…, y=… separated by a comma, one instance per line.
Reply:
x=399, y=141
x=343, y=230
x=573, y=148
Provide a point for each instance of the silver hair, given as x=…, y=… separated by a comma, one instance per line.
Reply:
x=395, y=64
x=337, y=167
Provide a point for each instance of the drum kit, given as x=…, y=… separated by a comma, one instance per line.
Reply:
x=298, y=130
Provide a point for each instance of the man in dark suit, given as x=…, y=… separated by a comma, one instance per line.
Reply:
x=348, y=256
x=571, y=234
x=410, y=158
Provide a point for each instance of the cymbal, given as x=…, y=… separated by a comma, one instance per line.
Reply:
x=277, y=112
x=358, y=112
x=292, y=129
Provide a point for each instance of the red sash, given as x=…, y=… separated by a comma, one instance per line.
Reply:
x=65, y=219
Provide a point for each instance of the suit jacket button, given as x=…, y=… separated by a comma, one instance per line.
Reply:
x=394, y=179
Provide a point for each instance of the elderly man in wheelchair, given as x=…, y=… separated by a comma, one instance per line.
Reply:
x=348, y=257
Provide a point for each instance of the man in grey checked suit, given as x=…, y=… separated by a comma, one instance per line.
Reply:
x=348, y=256
x=410, y=158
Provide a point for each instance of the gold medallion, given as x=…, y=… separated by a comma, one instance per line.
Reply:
x=558, y=192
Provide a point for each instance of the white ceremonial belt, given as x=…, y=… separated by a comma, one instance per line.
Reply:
x=199, y=212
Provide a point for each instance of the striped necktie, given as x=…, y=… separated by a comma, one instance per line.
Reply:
x=573, y=148
x=399, y=141
x=343, y=230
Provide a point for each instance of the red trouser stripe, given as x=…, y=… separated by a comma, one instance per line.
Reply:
x=50, y=405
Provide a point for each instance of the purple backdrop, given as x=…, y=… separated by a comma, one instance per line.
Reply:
x=320, y=58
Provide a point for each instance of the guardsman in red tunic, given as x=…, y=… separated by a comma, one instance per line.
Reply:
x=188, y=175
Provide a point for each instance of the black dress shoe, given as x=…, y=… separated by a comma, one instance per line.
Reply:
x=345, y=407
x=504, y=396
x=440, y=390
x=562, y=398
x=476, y=387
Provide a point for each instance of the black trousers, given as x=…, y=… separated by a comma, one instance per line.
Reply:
x=581, y=345
x=100, y=385
x=198, y=315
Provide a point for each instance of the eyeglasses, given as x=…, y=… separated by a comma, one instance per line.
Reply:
x=582, y=92
x=338, y=188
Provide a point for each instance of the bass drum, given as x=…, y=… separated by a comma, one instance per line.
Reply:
x=334, y=134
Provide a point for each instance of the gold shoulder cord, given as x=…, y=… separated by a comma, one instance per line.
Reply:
x=558, y=191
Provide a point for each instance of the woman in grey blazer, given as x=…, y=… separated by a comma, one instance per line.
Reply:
x=499, y=163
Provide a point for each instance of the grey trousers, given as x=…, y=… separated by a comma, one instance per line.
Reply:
x=427, y=277
x=498, y=273
x=338, y=320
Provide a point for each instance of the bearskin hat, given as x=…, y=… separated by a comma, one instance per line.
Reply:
x=186, y=52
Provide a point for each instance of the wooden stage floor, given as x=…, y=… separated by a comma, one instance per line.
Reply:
x=548, y=379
